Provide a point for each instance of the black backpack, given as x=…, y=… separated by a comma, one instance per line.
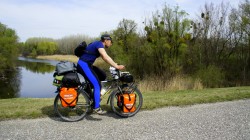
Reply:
x=81, y=49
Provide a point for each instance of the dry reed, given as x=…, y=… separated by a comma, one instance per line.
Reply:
x=156, y=83
x=71, y=58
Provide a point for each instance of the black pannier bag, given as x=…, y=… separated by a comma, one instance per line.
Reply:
x=71, y=80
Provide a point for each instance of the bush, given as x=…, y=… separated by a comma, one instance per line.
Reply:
x=211, y=76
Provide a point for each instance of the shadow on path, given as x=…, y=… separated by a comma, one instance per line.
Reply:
x=49, y=112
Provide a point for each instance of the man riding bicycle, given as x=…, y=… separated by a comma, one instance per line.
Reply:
x=86, y=68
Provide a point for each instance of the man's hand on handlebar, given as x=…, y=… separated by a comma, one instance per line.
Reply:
x=120, y=67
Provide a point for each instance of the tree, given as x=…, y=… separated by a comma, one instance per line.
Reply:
x=125, y=34
x=9, y=48
x=211, y=35
x=46, y=48
x=125, y=43
x=67, y=44
x=39, y=46
x=240, y=26
x=52, y=48
x=167, y=34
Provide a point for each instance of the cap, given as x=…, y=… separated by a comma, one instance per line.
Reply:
x=106, y=37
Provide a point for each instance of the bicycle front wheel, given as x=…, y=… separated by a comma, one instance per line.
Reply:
x=72, y=114
x=118, y=108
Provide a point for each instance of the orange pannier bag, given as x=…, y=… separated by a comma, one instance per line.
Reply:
x=119, y=101
x=68, y=96
x=129, y=102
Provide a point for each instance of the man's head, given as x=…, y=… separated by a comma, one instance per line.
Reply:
x=106, y=40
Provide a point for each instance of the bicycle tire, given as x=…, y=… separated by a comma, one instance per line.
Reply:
x=72, y=114
x=118, y=111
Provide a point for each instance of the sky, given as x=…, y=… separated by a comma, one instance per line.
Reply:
x=60, y=18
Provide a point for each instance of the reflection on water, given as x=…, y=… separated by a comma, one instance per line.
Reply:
x=10, y=84
x=36, y=67
x=51, y=62
x=33, y=79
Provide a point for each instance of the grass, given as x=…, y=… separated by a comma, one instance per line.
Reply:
x=27, y=108
x=191, y=97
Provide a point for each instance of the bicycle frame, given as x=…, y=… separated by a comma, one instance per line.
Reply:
x=115, y=84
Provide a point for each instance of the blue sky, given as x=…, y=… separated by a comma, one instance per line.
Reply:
x=60, y=18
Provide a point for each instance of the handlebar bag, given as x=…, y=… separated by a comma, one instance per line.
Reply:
x=128, y=78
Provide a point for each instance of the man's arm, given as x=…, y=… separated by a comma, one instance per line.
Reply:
x=108, y=59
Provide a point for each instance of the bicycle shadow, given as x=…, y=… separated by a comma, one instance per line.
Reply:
x=49, y=112
x=95, y=117
x=110, y=113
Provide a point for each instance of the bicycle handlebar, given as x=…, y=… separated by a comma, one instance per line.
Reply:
x=114, y=72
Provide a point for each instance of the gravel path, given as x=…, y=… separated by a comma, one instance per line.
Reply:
x=217, y=121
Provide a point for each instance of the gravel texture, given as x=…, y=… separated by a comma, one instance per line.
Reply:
x=217, y=121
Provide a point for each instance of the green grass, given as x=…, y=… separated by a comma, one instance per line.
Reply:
x=154, y=100
x=26, y=108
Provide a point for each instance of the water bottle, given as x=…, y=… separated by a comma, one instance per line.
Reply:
x=103, y=91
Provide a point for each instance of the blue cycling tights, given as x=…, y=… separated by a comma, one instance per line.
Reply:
x=93, y=79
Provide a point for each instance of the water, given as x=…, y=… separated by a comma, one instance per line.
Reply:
x=36, y=85
x=32, y=79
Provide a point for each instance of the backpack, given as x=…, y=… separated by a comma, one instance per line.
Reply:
x=81, y=49
x=68, y=96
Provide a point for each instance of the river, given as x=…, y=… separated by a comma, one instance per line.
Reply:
x=32, y=79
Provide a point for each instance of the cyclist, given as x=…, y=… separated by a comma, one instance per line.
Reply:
x=85, y=66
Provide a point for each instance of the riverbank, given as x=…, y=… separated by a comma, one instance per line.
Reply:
x=27, y=108
x=71, y=58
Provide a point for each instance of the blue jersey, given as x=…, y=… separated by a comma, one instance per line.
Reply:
x=93, y=48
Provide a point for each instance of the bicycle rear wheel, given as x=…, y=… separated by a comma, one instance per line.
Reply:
x=72, y=114
x=119, y=110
